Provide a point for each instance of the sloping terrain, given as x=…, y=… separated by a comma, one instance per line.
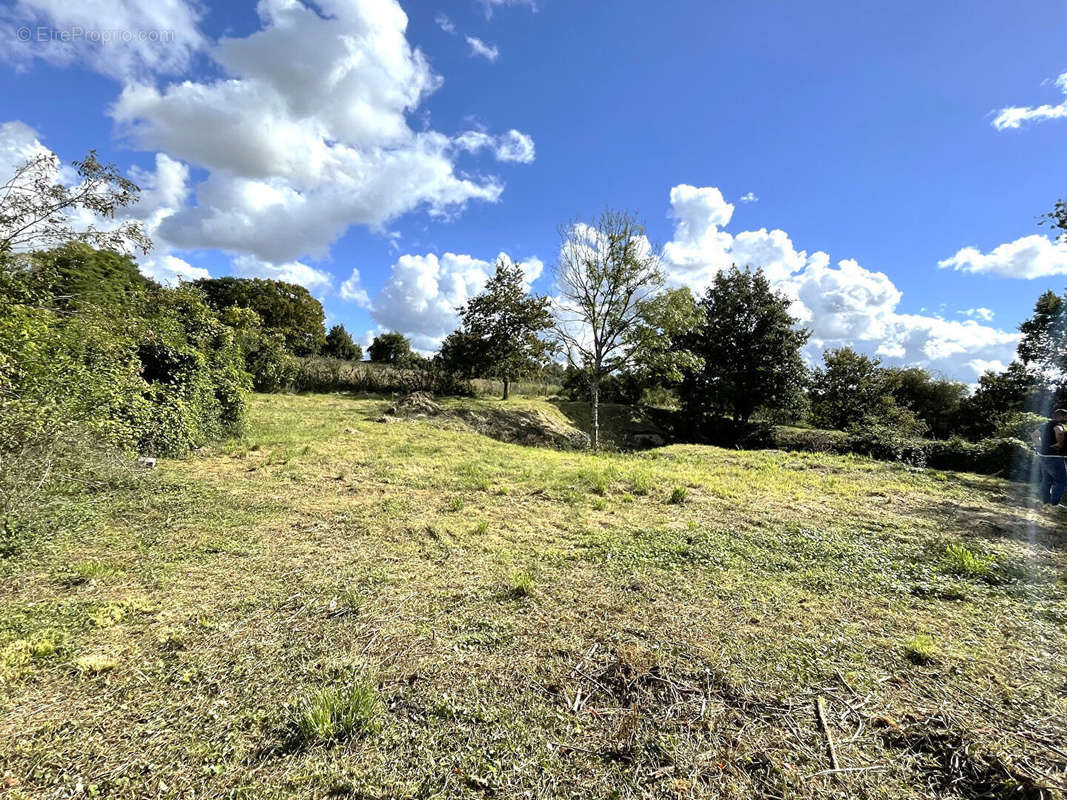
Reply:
x=526, y=422
x=338, y=607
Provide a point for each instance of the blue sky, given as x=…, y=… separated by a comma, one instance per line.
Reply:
x=888, y=190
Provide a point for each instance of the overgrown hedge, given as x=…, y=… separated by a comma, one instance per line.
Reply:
x=335, y=375
x=1006, y=457
x=82, y=385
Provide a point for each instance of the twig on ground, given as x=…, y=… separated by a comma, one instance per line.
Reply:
x=820, y=715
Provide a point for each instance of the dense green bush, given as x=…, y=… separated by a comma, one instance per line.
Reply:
x=1020, y=425
x=68, y=394
x=1005, y=457
x=80, y=386
x=284, y=308
x=267, y=360
x=1009, y=458
x=339, y=344
x=810, y=440
x=194, y=372
x=887, y=443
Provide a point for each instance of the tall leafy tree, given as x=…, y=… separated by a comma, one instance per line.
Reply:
x=37, y=211
x=1044, y=337
x=657, y=340
x=936, y=401
x=391, y=348
x=284, y=308
x=460, y=354
x=747, y=348
x=502, y=330
x=77, y=274
x=999, y=395
x=848, y=388
x=606, y=270
x=339, y=344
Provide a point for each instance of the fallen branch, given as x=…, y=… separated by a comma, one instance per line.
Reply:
x=820, y=715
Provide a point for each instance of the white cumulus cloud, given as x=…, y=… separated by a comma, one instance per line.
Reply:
x=489, y=5
x=444, y=23
x=513, y=146
x=298, y=149
x=314, y=280
x=1033, y=256
x=120, y=38
x=842, y=304
x=169, y=269
x=353, y=291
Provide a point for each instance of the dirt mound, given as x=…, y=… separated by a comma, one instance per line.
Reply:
x=522, y=427
x=517, y=426
x=416, y=404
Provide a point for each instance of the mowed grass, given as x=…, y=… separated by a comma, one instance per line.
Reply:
x=334, y=607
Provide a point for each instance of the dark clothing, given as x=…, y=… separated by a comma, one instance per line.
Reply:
x=1053, y=479
x=1048, y=439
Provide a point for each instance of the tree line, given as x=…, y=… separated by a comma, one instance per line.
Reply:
x=736, y=352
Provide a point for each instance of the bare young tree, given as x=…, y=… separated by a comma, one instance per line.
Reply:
x=606, y=270
x=38, y=211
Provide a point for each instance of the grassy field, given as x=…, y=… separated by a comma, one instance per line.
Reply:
x=335, y=607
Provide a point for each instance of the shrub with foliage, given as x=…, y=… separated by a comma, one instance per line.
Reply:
x=390, y=348
x=1008, y=458
x=1021, y=425
x=887, y=443
x=745, y=347
x=161, y=374
x=194, y=370
x=284, y=308
x=70, y=396
x=339, y=344
x=270, y=365
x=810, y=440
x=934, y=401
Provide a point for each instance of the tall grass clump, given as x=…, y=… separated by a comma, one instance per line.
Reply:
x=318, y=374
x=920, y=649
x=679, y=494
x=642, y=483
x=965, y=563
x=336, y=714
x=520, y=583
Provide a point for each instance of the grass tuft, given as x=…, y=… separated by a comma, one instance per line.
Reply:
x=920, y=649
x=642, y=483
x=170, y=638
x=520, y=583
x=337, y=714
x=965, y=563
x=679, y=494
